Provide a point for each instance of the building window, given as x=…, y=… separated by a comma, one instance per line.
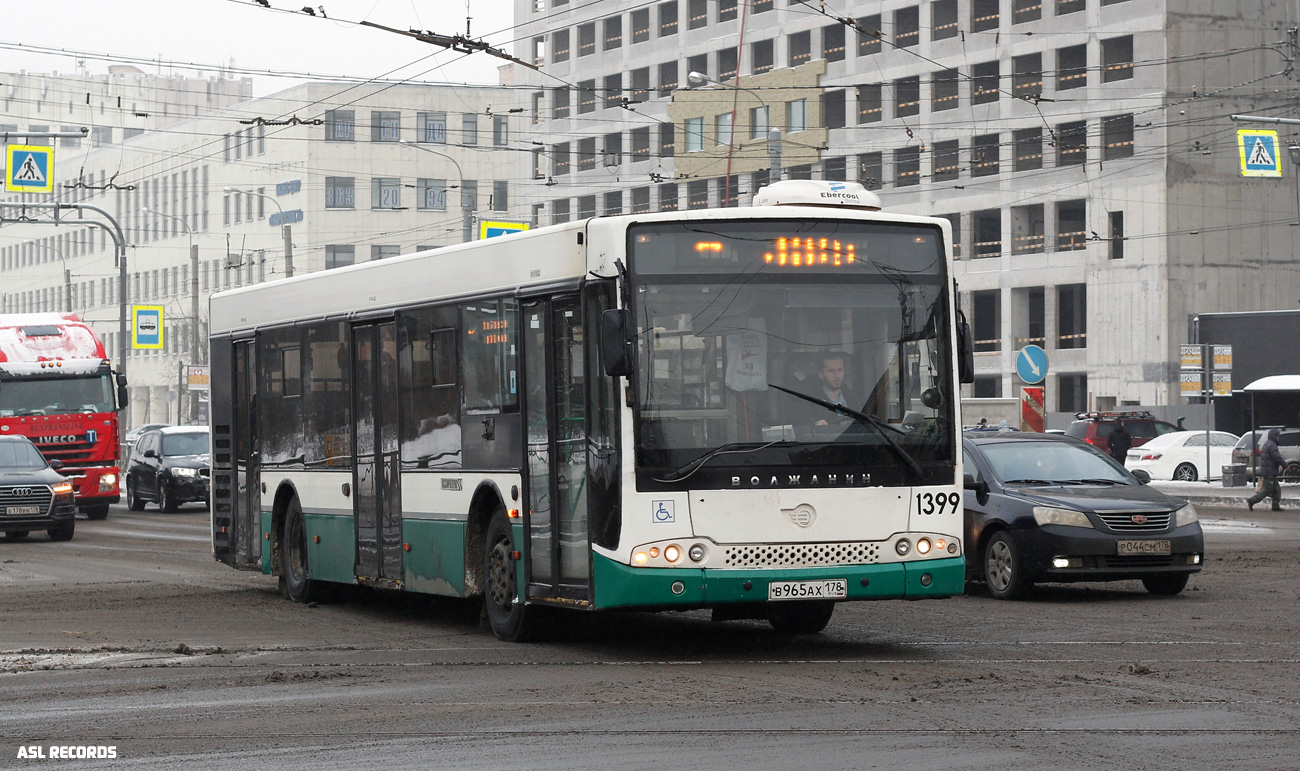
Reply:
x=943, y=19
x=384, y=251
x=1070, y=6
x=668, y=18
x=1026, y=10
x=1117, y=137
x=947, y=163
x=432, y=127
x=1072, y=143
x=833, y=43
x=1117, y=59
x=759, y=122
x=559, y=211
x=985, y=83
x=613, y=90
x=907, y=26
x=500, y=131
x=385, y=193
x=613, y=204
x=763, y=55
x=954, y=221
x=800, y=44
x=871, y=170
x=385, y=126
x=612, y=153
x=694, y=135
x=560, y=159
x=340, y=125
x=796, y=115
x=1071, y=67
x=987, y=226
x=1027, y=76
x=722, y=128
x=640, y=25
x=469, y=129
x=907, y=97
x=340, y=193
x=760, y=6
x=640, y=200
x=1071, y=226
x=560, y=46
x=987, y=388
x=586, y=154
x=433, y=195
x=339, y=255
x=586, y=207
x=985, y=152
x=835, y=169
x=728, y=10
x=539, y=50
x=667, y=140
x=668, y=197
x=613, y=32
x=667, y=78
x=586, y=96
x=1072, y=393
x=640, y=143
x=697, y=14
x=586, y=39
x=986, y=321
x=907, y=166
x=1028, y=229
x=500, y=195
x=560, y=102
x=833, y=109
x=870, y=108
x=1116, y=235
x=984, y=15
x=640, y=82
x=1028, y=149
x=697, y=194
x=1072, y=316
x=1030, y=316
x=728, y=63
x=869, y=37
x=943, y=91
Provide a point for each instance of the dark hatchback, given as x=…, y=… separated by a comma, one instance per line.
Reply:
x=169, y=466
x=1048, y=508
x=33, y=495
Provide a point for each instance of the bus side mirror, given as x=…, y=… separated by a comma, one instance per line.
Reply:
x=616, y=349
x=965, y=352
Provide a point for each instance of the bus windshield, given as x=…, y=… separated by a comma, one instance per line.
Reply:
x=56, y=396
x=753, y=334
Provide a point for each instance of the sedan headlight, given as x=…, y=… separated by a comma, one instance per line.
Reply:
x=1046, y=515
x=185, y=472
x=1185, y=516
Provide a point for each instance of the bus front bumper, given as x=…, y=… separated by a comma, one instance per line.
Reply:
x=621, y=586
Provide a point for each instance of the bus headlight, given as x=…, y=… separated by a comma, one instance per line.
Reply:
x=672, y=552
x=923, y=546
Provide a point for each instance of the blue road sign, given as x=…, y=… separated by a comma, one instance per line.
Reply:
x=30, y=169
x=1260, y=154
x=1031, y=364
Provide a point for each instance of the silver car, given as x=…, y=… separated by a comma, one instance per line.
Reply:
x=1288, y=443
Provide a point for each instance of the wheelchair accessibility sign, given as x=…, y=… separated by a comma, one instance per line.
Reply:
x=29, y=169
x=663, y=511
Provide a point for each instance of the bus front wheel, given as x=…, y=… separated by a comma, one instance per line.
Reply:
x=800, y=617
x=297, y=586
x=510, y=619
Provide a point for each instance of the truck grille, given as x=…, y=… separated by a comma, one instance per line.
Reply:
x=798, y=555
x=26, y=495
x=1122, y=521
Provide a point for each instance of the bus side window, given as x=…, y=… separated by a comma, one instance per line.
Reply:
x=489, y=357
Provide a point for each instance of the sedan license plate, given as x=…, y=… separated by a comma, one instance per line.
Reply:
x=833, y=589
x=1144, y=547
x=16, y=510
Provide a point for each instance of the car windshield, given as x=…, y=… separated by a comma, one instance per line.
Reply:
x=744, y=327
x=20, y=456
x=1034, y=462
x=60, y=396
x=195, y=443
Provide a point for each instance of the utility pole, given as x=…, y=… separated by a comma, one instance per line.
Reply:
x=287, y=230
x=195, y=356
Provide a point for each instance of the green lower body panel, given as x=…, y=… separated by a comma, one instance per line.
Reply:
x=265, y=535
x=620, y=586
x=331, y=547
x=435, y=563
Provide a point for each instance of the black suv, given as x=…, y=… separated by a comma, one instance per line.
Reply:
x=169, y=466
x=1095, y=427
x=33, y=494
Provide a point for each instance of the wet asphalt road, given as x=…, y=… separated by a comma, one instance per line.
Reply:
x=130, y=636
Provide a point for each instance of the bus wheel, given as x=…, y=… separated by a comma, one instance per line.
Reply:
x=297, y=585
x=800, y=617
x=510, y=620
x=100, y=512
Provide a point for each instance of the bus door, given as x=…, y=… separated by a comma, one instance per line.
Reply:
x=556, y=426
x=244, y=526
x=376, y=491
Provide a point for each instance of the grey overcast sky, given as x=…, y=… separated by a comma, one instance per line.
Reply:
x=283, y=38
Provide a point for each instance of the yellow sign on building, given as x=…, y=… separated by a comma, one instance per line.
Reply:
x=1260, y=153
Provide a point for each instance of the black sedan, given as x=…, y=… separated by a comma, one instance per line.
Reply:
x=1045, y=508
x=33, y=495
x=170, y=466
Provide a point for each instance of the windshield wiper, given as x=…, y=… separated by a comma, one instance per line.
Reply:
x=730, y=447
x=1101, y=481
x=1031, y=482
x=866, y=419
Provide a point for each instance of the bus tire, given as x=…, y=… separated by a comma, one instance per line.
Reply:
x=800, y=617
x=1004, y=569
x=510, y=619
x=100, y=512
x=297, y=586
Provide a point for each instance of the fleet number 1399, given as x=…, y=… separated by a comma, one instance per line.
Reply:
x=937, y=503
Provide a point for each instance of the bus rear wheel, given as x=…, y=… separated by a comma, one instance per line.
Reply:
x=800, y=617
x=98, y=512
x=510, y=619
x=297, y=586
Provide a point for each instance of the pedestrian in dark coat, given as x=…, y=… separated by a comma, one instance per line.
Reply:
x=1120, y=440
x=1271, y=466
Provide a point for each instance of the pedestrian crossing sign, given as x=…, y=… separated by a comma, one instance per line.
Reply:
x=1259, y=153
x=29, y=169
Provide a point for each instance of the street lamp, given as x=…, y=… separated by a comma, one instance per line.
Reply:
x=773, y=135
x=465, y=213
x=285, y=229
x=194, y=302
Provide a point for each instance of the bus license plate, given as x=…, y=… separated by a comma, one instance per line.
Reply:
x=1144, y=547
x=16, y=510
x=834, y=589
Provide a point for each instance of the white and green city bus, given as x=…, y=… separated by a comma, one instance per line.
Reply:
x=751, y=410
